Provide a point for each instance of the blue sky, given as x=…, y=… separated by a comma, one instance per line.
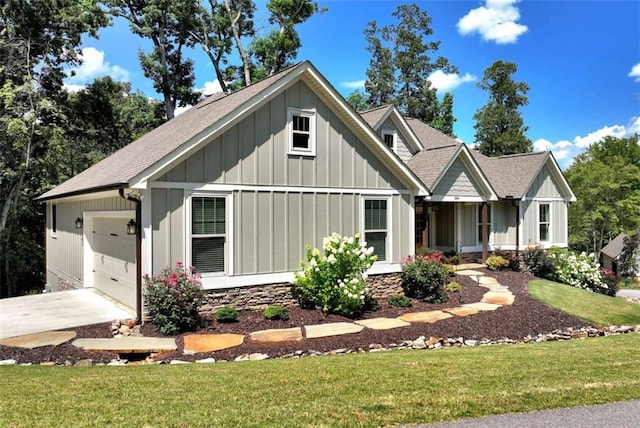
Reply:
x=581, y=60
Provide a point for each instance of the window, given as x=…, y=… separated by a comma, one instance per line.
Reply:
x=54, y=219
x=544, y=222
x=301, y=132
x=375, y=226
x=480, y=222
x=208, y=234
x=389, y=138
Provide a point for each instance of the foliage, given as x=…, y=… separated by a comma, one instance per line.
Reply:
x=510, y=256
x=358, y=101
x=496, y=263
x=536, y=261
x=451, y=257
x=606, y=182
x=276, y=312
x=445, y=119
x=226, y=314
x=499, y=125
x=630, y=256
x=424, y=277
x=453, y=287
x=172, y=299
x=400, y=301
x=401, y=63
x=610, y=280
x=335, y=279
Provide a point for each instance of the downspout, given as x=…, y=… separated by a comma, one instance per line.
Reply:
x=514, y=204
x=138, y=253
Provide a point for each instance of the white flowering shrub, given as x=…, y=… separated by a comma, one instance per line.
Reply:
x=579, y=270
x=334, y=279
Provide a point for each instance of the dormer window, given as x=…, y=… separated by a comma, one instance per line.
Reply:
x=389, y=138
x=301, y=125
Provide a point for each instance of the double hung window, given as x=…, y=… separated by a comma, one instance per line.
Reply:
x=208, y=234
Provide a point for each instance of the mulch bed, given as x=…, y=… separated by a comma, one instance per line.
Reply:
x=525, y=317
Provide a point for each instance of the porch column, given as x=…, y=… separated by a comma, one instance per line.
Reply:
x=485, y=237
x=425, y=224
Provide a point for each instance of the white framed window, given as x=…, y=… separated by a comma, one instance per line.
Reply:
x=389, y=138
x=54, y=220
x=208, y=231
x=479, y=215
x=301, y=130
x=544, y=222
x=377, y=214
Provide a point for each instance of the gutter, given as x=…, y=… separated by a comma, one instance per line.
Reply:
x=138, y=252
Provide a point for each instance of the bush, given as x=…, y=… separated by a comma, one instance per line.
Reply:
x=610, y=279
x=453, y=287
x=275, y=313
x=496, y=263
x=424, y=277
x=226, y=314
x=536, y=261
x=335, y=280
x=514, y=261
x=582, y=271
x=400, y=301
x=172, y=299
x=452, y=257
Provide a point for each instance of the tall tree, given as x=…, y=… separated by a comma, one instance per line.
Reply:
x=606, y=181
x=170, y=26
x=358, y=100
x=500, y=128
x=403, y=59
x=445, y=119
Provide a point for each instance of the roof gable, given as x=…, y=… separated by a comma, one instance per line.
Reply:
x=377, y=117
x=615, y=246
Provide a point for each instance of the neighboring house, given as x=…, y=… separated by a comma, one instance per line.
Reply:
x=239, y=184
x=611, y=254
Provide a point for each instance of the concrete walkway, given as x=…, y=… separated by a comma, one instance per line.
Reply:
x=54, y=311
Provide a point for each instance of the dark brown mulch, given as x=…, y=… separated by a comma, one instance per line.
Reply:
x=525, y=317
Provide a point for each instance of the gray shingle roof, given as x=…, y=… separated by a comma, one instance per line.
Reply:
x=119, y=168
x=373, y=116
x=614, y=248
x=511, y=176
x=429, y=137
x=428, y=164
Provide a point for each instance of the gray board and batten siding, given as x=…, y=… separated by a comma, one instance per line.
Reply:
x=402, y=149
x=457, y=181
x=280, y=202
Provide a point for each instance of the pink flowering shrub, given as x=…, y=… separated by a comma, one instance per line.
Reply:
x=172, y=299
x=424, y=277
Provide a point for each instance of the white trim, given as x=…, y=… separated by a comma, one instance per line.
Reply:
x=85, y=197
x=87, y=239
x=147, y=233
x=550, y=231
x=412, y=225
x=444, y=198
x=537, y=199
x=389, y=240
x=394, y=136
x=212, y=187
x=311, y=115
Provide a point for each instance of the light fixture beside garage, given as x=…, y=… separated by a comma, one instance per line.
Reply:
x=79, y=223
x=131, y=227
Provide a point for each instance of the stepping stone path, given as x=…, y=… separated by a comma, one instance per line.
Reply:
x=195, y=343
x=462, y=311
x=128, y=344
x=430, y=317
x=277, y=335
x=36, y=340
x=383, y=323
x=331, y=329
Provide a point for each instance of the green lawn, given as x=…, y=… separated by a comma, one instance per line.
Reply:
x=375, y=389
x=591, y=307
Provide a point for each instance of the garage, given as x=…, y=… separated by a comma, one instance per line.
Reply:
x=114, y=259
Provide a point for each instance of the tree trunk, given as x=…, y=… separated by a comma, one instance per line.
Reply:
x=246, y=63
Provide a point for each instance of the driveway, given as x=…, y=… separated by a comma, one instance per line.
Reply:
x=59, y=310
x=634, y=294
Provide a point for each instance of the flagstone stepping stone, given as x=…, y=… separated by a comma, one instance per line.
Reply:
x=36, y=340
x=498, y=298
x=331, y=329
x=430, y=317
x=465, y=266
x=383, y=323
x=277, y=335
x=469, y=272
x=127, y=344
x=462, y=311
x=487, y=280
x=195, y=343
x=481, y=306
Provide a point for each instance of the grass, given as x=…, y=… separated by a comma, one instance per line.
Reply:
x=364, y=390
x=594, y=308
x=629, y=284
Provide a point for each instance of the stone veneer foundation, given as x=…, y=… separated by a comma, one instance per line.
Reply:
x=261, y=296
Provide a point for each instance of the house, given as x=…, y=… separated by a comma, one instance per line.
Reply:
x=611, y=254
x=239, y=184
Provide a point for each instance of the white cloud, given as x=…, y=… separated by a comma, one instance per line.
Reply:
x=73, y=88
x=635, y=72
x=179, y=110
x=355, y=84
x=211, y=87
x=93, y=65
x=618, y=131
x=495, y=22
x=444, y=82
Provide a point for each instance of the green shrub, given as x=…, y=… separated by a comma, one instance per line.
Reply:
x=226, y=314
x=610, y=281
x=496, y=263
x=453, y=287
x=451, y=257
x=335, y=280
x=172, y=299
x=400, y=301
x=514, y=261
x=424, y=277
x=275, y=313
x=537, y=261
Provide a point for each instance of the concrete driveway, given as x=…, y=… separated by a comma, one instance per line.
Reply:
x=634, y=294
x=59, y=310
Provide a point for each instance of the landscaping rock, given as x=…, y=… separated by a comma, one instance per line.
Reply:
x=36, y=340
x=9, y=362
x=429, y=317
x=481, y=306
x=383, y=323
x=462, y=311
x=498, y=298
x=206, y=361
x=277, y=335
x=331, y=329
x=195, y=343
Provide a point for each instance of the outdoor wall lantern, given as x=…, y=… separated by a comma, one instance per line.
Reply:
x=131, y=227
x=79, y=223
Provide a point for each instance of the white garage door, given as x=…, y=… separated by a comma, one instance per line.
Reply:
x=114, y=259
